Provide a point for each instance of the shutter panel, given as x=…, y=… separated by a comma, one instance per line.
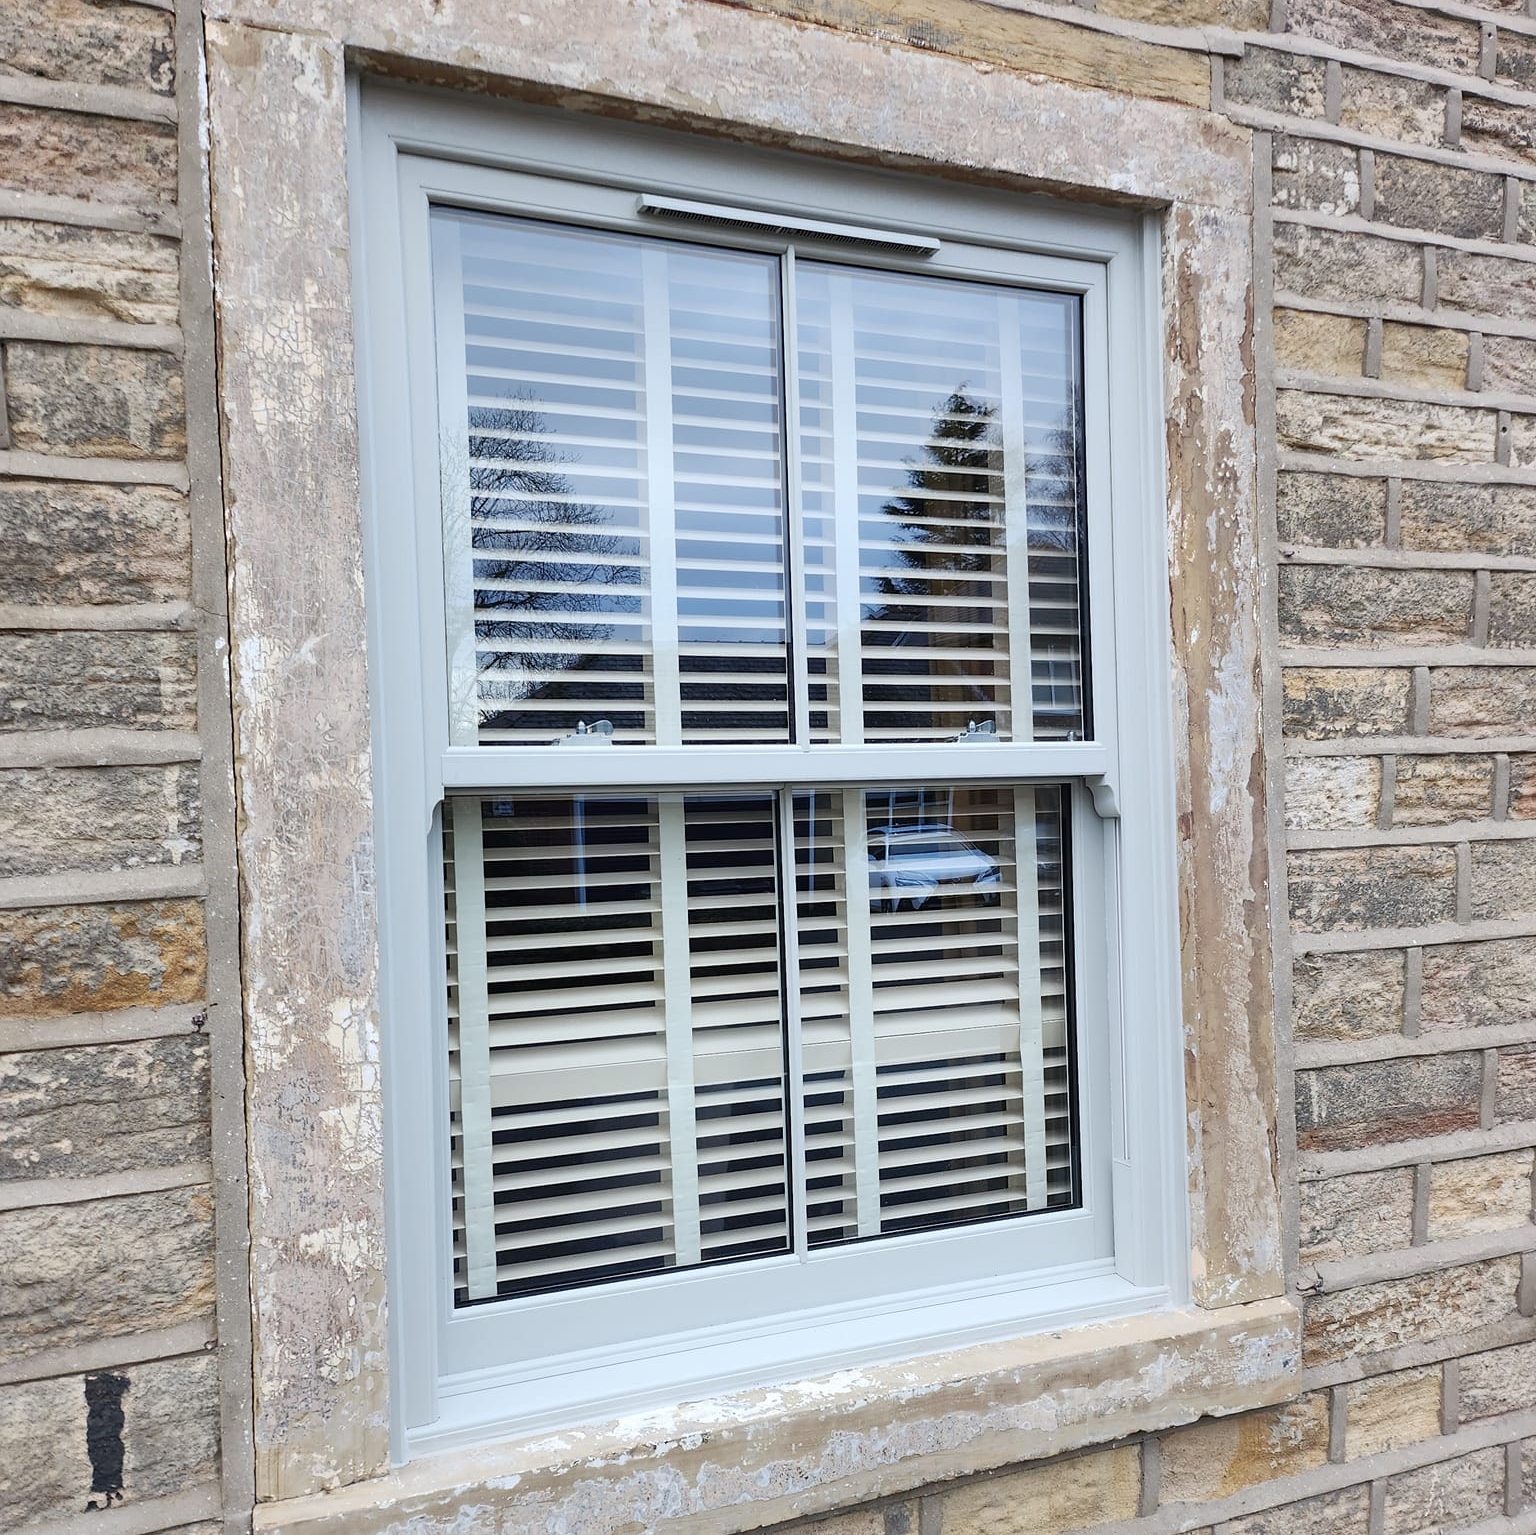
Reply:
x=613, y=501
x=938, y=450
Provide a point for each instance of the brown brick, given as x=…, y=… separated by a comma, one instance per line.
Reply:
x=1447, y=1494
x=1358, y=427
x=1048, y=1500
x=1371, y=1318
x=1323, y=793
x=1346, y=1512
x=1389, y=31
x=1353, y=1216
x=1515, y=1097
x=1480, y=1194
x=1289, y=83
x=1497, y=128
x=1493, y=519
x=74, y=959
x=84, y=1110
x=1217, y=1457
x=1372, y=1103
x=170, y=1419
x=1421, y=194
x=1333, y=511
x=68, y=154
x=54, y=820
x=1512, y=608
x=1392, y=107
x=1503, y=879
x=1386, y=1412
x=1349, y=889
x=1348, y=605
x=95, y=402
x=1522, y=786
x=106, y=274
x=82, y=1273
x=76, y=544
x=1477, y=284
x=1437, y=790
x=1326, y=703
x=1423, y=356
x=1499, y=1381
x=1314, y=176
x=95, y=41
x=1326, y=344
x=82, y=681
x=1326, y=264
x=1509, y=366
x=1477, y=985
x=1348, y=996
x=1481, y=700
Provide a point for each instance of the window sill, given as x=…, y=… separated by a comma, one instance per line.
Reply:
x=754, y=1458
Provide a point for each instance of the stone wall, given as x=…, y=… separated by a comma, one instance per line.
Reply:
x=118, y=1205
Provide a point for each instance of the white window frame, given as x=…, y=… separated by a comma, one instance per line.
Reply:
x=465, y=1377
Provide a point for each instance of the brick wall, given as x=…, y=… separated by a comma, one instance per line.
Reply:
x=114, y=787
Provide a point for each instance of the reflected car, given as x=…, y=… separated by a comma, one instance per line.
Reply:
x=916, y=864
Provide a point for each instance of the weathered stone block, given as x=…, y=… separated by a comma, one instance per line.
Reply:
x=1370, y=1103
x=1340, y=605
x=1315, y=176
x=1328, y=703
x=82, y=1273
x=1327, y=344
x=1347, y=996
x=1515, y=1096
x=1389, y=31
x=1515, y=60
x=1522, y=442
x=893, y=1519
x=1358, y=428
x=94, y=41
x=108, y=274
x=1217, y=1457
x=1445, y=1495
x=1480, y=1194
x=81, y=681
x=1480, y=284
x=1392, y=107
x=1048, y=1500
x=1522, y=786
x=1323, y=792
x=75, y=544
x=69, y=154
x=1499, y=1381
x=1325, y=264
x=1421, y=194
x=1346, y=1512
x=1495, y=519
x=74, y=959
x=1385, y=1412
x=1512, y=608
x=1370, y=1318
x=1288, y=83
x=1348, y=889
x=1332, y=511
x=58, y=819
x=169, y=1434
x=1351, y=1216
x=1497, y=128
x=95, y=402
x=1509, y=366
x=82, y=1111
x=1436, y=790
x=1503, y=879
x=1481, y=700
x=1423, y=356
x=1244, y=15
x=1473, y=985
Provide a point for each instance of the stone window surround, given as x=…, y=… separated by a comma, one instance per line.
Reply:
x=279, y=118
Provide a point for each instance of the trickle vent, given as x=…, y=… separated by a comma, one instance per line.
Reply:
x=786, y=224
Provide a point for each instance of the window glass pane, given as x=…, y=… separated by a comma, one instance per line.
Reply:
x=939, y=453
x=613, y=489
x=934, y=999
x=615, y=1037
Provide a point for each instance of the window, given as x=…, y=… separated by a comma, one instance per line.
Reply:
x=748, y=630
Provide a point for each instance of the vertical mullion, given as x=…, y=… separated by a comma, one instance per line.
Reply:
x=861, y=1013
x=677, y=1002
x=1021, y=671
x=789, y=991
x=474, y=1047
x=453, y=435
x=844, y=447
x=1031, y=1021
x=794, y=510
x=661, y=513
